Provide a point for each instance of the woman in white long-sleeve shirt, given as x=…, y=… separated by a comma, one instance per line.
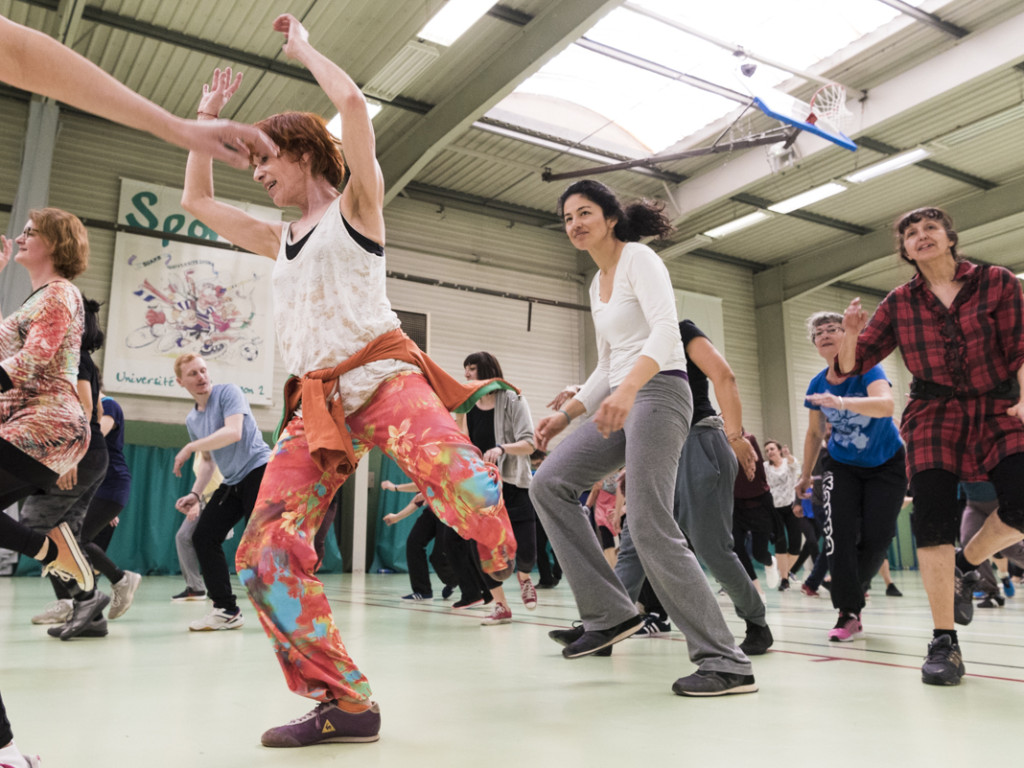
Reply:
x=640, y=407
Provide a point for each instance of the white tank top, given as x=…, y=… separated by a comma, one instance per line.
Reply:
x=330, y=302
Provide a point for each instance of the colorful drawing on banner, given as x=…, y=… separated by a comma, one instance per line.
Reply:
x=194, y=311
x=171, y=296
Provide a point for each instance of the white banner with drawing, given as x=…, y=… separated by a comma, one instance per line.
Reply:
x=168, y=298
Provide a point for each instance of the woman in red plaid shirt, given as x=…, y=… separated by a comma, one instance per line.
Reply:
x=959, y=328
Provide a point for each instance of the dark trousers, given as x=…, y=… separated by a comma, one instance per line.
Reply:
x=97, y=520
x=461, y=559
x=427, y=528
x=756, y=517
x=6, y=734
x=809, y=528
x=861, y=507
x=228, y=505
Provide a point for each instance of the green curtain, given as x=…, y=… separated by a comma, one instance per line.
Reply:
x=389, y=552
x=144, y=541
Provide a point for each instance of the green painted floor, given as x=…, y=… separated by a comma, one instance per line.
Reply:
x=455, y=693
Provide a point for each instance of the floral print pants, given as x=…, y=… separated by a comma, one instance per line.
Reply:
x=276, y=557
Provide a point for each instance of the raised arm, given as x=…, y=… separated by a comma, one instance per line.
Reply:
x=36, y=62
x=260, y=237
x=363, y=199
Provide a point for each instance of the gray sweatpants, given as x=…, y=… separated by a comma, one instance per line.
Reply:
x=187, y=558
x=703, y=510
x=649, y=446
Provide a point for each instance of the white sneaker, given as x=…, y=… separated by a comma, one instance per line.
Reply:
x=123, y=594
x=771, y=574
x=57, y=612
x=216, y=619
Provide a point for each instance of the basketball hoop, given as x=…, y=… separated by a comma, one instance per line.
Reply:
x=829, y=104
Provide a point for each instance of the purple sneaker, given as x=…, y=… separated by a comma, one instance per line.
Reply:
x=326, y=724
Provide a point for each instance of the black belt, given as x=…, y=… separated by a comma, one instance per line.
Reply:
x=921, y=389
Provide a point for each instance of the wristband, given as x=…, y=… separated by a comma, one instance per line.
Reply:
x=568, y=418
x=501, y=448
x=198, y=497
x=734, y=437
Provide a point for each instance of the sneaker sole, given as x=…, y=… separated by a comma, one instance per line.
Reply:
x=239, y=625
x=335, y=740
x=936, y=680
x=193, y=599
x=748, y=688
x=619, y=637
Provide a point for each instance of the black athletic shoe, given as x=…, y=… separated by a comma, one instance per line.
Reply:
x=992, y=601
x=708, y=683
x=963, y=595
x=758, y=640
x=893, y=591
x=596, y=640
x=569, y=636
x=97, y=628
x=943, y=665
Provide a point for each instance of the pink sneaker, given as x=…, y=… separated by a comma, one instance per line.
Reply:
x=500, y=615
x=808, y=591
x=846, y=629
x=529, y=594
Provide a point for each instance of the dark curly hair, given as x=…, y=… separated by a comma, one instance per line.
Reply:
x=642, y=218
x=916, y=215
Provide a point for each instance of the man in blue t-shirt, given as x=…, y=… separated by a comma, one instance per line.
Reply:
x=224, y=433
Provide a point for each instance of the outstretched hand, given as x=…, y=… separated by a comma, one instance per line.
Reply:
x=295, y=34
x=227, y=141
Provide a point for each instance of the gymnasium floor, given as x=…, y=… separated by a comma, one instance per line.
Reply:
x=454, y=693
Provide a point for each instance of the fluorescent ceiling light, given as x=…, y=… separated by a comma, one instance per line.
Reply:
x=737, y=224
x=894, y=163
x=809, y=197
x=334, y=125
x=454, y=18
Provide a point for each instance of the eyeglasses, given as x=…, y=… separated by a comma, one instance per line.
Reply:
x=29, y=232
x=921, y=213
x=826, y=329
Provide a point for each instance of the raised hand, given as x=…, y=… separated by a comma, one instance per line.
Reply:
x=218, y=92
x=295, y=35
x=854, y=318
x=6, y=249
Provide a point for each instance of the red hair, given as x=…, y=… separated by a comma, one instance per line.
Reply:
x=297, y=133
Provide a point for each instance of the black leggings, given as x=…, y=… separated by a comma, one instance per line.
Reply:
x=754, y=516
x=938, y=508
x=101, y=513
x=787, y=528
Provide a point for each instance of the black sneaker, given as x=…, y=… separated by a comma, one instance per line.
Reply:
x=83, y=614
x=594, y=640
x=783, y=585
x=97, y=628
x=416, y=597
x=447, y=592
x=189, y=595
x=653, y=625
x=963, y=595
x=943, y=665
x=570, y=636
x=708, y=683
x=758, y=640
x=467, y=602
x=893, y=591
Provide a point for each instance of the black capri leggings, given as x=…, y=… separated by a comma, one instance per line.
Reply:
x=938, y=508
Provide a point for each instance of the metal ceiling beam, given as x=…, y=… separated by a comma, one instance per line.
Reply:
x=133, y=26
x=554, y=29
x=929, y=165
x=814, y=218
x=930, y=19
x=995, y=48
x=827, y=265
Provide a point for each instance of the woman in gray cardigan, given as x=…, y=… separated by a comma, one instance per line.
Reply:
x=501, y=426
